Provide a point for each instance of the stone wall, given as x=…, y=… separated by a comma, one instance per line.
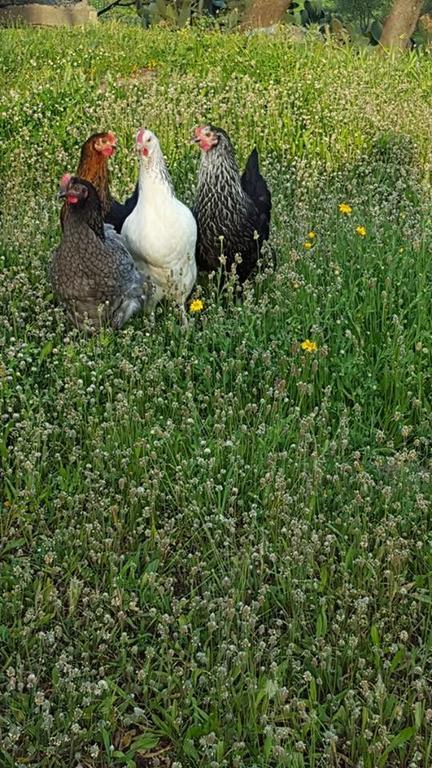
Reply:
x=47, y=13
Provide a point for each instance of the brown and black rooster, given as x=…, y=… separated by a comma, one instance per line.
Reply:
x=92, y=272
x=93, y=166
x=232, y=212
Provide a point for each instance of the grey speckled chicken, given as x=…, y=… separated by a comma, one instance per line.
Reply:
x=92, y=272
x=232, y=212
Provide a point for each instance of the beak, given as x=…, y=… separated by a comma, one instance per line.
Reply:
x=61, y=194
x=194, y=140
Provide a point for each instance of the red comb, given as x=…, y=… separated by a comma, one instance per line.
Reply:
x=65, y=179
x=139, y=136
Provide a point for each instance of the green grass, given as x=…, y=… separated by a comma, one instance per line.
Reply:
x=213, y=541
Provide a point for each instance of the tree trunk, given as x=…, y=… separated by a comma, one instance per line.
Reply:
x=264, y=13
x=400, y=23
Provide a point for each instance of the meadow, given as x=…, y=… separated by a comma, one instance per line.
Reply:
x=215, y=543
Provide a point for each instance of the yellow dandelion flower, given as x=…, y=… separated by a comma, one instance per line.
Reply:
x=345, y=208
x=196, y=305
x=309, y=346
x=311, y=235
x=307, y=246
x=361, y=231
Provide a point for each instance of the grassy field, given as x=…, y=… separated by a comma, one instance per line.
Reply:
x=215, y=545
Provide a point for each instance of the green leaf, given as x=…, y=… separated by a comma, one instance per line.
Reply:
x=106, y=740
x=321, y=625
x=143, y=743
x=74, y=592
x=423, y=598
x=375, y=635
x=397, y=741
x=184, y=14
x=324, y=577
x=189, y=749
x=171, y=13
x=313, y=691
x=12, y=544
x=349, y=557
x=152, y=566
x=220, y=750
x=124, y=759
x=45, y=351
x=3, y=443
x=418, y=714
x=268, y=746
x=397, y=658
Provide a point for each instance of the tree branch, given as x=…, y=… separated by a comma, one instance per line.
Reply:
x=113, y=5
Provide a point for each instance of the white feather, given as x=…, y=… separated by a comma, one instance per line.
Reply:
x=161, y=231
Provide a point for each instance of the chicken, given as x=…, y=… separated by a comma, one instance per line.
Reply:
x=93, y=166
x=232, y=213
x=161, y=231
x=92, y=273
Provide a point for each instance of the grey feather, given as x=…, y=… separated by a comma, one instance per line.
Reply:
x=92, y=272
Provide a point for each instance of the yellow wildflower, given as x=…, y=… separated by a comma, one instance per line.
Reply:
x=296, y=284
x=196, y=305
x=345, y=208
x=307, y=245
x=309, y=346
x=311, y=235
x=361, y=231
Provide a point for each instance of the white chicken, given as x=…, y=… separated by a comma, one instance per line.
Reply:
x=161, y=231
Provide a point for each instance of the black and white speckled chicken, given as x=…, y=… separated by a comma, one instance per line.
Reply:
x=92, y=272
x=232, y=212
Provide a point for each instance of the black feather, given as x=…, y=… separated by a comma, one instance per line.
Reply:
x=118, y=212
x=256, y=187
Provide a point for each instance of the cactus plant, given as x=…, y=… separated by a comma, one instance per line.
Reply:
x=177, y=13
x=312, y=13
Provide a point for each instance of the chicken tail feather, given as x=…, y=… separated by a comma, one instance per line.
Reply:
x=255, y=185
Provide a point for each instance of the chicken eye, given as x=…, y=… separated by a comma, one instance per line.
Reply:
x=149, y=139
